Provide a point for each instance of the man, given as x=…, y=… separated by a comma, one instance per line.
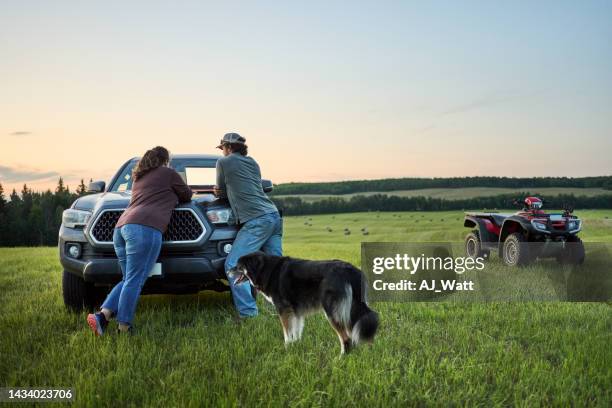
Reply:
x=261, y=227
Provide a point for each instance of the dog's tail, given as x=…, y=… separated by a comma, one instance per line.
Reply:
x=364, y=321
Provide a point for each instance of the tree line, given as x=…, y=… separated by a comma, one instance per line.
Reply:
x=383, y=202
x=33, y=218
x=383, y=185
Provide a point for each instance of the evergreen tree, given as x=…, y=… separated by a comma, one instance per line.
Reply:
x=60, y=186
x=14, y=221
x=81, y=189
x=36, y=225
x=27, y=202
x=2, y=199
x=3, y=222
x=27, y=198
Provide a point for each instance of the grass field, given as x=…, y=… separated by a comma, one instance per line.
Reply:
x=189, y=351
x=461, y=193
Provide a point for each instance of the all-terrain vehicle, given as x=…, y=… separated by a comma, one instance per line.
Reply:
x=523, y=237
x=194, y=248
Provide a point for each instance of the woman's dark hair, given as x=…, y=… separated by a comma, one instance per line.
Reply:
x=239, y=148
x=152, y=159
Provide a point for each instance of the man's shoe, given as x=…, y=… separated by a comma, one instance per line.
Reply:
x=97, y=322
x=129, y=331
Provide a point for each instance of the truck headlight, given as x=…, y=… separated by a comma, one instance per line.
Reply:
x=219, y=216
x=75, y=218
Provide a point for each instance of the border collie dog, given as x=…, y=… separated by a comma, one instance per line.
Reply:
x=297, y=287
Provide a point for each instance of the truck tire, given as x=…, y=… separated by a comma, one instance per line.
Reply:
x=573, y=254
x=515, y=251
x=473, y=246
x=79, y=295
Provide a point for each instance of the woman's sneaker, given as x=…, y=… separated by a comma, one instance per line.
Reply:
x=97, y=322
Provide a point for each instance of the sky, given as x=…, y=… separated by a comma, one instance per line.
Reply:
x=321, y=90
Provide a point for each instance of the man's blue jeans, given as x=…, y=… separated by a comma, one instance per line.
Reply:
x=262, y=233
x=137, y=247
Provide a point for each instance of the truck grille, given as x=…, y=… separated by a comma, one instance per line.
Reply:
x=184, y=226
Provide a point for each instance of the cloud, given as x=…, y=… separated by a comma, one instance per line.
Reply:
x=490, y=100
x=17, y=175
x=477, y=104
x=20, y=133
x=425, y=129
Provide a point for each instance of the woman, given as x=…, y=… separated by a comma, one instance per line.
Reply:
x=261, y=227
x=137, y=238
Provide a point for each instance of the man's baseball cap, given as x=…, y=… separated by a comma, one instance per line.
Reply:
x=231, y=138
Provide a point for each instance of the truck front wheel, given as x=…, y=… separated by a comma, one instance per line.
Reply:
x=79, y=294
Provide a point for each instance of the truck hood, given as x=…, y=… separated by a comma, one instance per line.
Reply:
x=93, y=202
x=90, y=202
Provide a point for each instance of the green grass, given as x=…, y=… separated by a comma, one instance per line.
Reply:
x=189, y=351
x=461, y=193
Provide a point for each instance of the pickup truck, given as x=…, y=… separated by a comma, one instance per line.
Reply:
x=194, y=248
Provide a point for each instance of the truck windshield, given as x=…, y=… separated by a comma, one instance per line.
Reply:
x=197, y=173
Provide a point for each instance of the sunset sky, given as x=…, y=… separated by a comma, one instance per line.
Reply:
x=321, y=90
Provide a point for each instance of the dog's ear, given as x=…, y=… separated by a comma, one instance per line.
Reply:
x=247, y=259
x=254, y=263
x=256, y=260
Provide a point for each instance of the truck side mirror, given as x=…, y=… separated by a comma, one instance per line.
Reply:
x=267, y=186
x=96, y=187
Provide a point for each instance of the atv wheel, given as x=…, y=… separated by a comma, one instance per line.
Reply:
x=473, y=246
x=79, y=294
x=515, y=251
x=573, y=253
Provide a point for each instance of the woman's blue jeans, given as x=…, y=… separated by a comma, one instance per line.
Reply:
x=262, y=233
x=137, y=247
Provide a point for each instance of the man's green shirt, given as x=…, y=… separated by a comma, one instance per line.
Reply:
x=239, y=178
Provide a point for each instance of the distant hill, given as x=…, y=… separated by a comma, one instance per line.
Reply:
x=295, y=205
x=408, y=184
